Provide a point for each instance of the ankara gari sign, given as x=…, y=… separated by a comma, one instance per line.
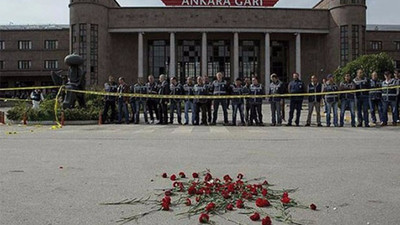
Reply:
x=232, y=3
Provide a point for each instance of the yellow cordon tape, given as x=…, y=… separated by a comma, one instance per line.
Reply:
x=56, y=109
x=224, y=96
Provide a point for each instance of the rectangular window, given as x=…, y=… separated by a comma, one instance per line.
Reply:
x=51, y=44
x=397, y=44
x=73, y=38
x=363, y=30
x=344, y=45
x=376, y=45
x=158, y=57
x=249, y=58
x=94, y=53
x=2, y=45
x=397, y=64
x=24, y=45
x=83, y=44
x=51, y=64
x=219, y=57
x=1, y=65
x=355, y=41
x=24, y=64
x=189, y=58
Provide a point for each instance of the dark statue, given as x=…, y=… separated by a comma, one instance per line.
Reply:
x=74, y=80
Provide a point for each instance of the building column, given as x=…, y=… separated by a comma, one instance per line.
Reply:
x=140, y=55
x=172, y=58
x=235, y=55
x=267, y=62
x=204, y=70
x=298, y=53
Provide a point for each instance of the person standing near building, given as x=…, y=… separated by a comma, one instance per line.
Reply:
x=209, y=101
x=314, y=101
x=331, y=100
x=152, y=103
x=109, y=100
x=141, y=102
x=123, y=88
x=347, y=100
x=246, y=91
x=276, y=88
x=375, y=97
x=36, y=97
x=397, y=79
x=256, y=103
x=200, y=89
x=175, y=104
x=296, y=86
x=236, y=89
x=132, y=103
x=188, y=90
x=163, y=90
x=362, y=98
x=219, y=88
x=389, y=98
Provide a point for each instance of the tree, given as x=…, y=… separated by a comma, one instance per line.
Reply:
x=369, y=63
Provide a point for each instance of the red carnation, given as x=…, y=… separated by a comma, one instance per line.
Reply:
x=208, y=177
x=255, y=217
x=229, y=207
x=195, y=175
x=240, y=176
x=266, y=221
x=165, y=206
x=192, y=190
x=231, y=187
x=264, y=192
x=164, y=175
x=167, y=199
x=204, y=218
x=285, y=194
x=260, y=202
x=313, y=207
x=210, y=206
x=227, y=178
x=182, y=175
x=239, y=204
x=173, y=177
x=285, y=200
x=188, y=202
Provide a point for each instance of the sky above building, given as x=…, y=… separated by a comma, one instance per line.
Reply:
x=56, y=11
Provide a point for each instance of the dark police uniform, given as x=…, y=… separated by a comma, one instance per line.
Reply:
x=141, y=102
x=256, y=104
x=132, y=102
x=314, y=101
x=237, y=104
x=331, y=101
x=200, y=104
x=209, y=102
x=295, y=87
x=123, y=103
x=246, y=91
x=389, y=98
x=188, y=90
x=362, y=101
x=375, y=100
x=347, y=102
x=109, y=101
x=220, y=88
x=164, y=90
x=175, y=104
x=152, y=103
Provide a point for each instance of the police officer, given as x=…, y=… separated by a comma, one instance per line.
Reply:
x=109, y=100
x=276, y=87
x=375, y=97
x=219, y=88
x=314, y=101
x=237, y=103
x=397, y=80
x=256, y=103
x=347, y=100
x=188, y=90
x=331, y=101
x=163, y=90
x=209, y=101
x=175, y=104
x=200, y=89
x=152, y=103
x=36, y=97
x=362, y=98
x=123, y=101
x=389, y=97
x=246, y=91
x=296, y=86
x=132, y=102
x=141, y=102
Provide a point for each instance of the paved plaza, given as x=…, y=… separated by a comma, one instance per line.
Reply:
x=352, y=175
